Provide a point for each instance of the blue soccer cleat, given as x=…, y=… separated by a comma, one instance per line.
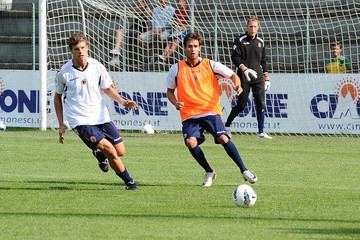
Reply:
x=131, y=185
x=102, y=160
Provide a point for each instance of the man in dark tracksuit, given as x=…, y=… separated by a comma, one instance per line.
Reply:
x=248, y=55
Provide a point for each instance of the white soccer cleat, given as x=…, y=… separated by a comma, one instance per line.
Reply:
x=208, y=179
x=264, y=136
x=248, y=176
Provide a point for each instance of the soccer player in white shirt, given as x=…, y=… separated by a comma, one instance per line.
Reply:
x=82, y=80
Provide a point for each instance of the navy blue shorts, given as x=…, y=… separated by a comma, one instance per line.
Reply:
x=195, y=128
x=91, y=135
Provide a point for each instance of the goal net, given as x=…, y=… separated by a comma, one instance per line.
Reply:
x=297, y=35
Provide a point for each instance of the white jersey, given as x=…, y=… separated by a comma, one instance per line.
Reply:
x=219, y=69
x=83, y=100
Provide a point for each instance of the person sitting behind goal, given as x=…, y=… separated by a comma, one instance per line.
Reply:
x=162, y=16
x=141, y=23
x=181, y=28
x=338, y=63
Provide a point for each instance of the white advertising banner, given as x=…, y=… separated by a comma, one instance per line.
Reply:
x=19, y=98
x=296, y=103
x=306, y=103
x=149, y=91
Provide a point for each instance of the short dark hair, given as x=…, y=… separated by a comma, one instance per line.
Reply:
x=76, y=38
x=336, y=43
x=193, y=36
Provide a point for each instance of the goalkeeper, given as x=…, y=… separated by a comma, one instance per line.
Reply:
x=248, y=55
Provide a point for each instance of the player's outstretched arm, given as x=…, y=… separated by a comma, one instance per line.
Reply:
x=59, y=114
x=236, y=54
x=114, y=95
x=236, y=83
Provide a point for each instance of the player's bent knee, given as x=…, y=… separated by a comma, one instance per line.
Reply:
x=222, y=139
x=120, y=149
x=120, y=154
x=191, y=142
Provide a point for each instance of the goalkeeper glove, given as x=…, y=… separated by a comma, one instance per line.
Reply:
x=267, y=85
x=267, y=81
x=250, y=74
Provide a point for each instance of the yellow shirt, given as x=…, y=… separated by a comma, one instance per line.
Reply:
x=338, y=65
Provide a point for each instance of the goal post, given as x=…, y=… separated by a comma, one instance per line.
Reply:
x=297, y=35
x=43, y=64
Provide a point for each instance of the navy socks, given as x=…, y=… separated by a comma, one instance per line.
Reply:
x=199, y=156
x=234, y=154
x=125, y=176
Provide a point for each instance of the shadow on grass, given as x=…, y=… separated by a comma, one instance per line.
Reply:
x=20, y=129
x=79, y=185
x=329, y=231
x=55, y=188
x=191, y=216
x=59, y=185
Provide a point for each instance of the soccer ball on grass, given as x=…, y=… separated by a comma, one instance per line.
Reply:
x=148, y=129
x=2, y=126
x=244, y=196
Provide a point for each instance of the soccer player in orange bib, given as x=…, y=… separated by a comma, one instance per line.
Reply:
x=198, y=100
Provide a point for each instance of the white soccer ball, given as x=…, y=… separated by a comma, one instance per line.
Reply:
x=2, y=126
x=244, y=196
x=148, y=129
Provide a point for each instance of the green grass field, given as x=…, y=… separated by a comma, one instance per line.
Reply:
x=308, y=188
